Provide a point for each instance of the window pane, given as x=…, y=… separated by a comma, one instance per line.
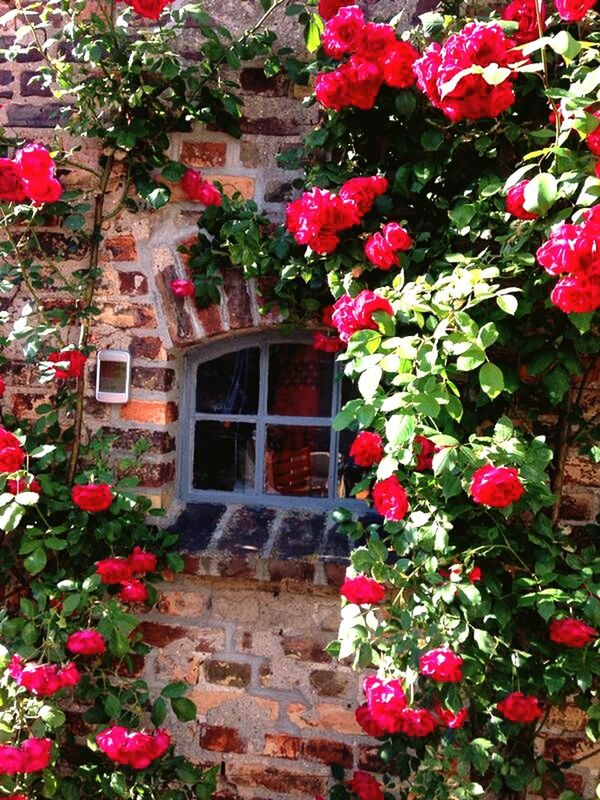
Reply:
x=229, y=384
x=300, y=381
x=224, y=456
x=297, y=461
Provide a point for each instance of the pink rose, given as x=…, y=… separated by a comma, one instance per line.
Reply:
x=362, y=590
x=86, y=643
x=141, y=561
x=441, y=665
x=133, y=591
x=386, y=702
x=496, y=487
x=113, y=570
x=390, y=500
x=183, y=288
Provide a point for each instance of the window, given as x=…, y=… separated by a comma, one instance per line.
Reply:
x=256, y=424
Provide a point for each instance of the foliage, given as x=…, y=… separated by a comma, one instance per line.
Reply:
x=477, y=359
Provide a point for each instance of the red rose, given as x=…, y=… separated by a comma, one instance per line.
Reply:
x=379, y=252
x=113, y=570
x=141, y=561
x=11, y=760
x=379, y=41
x=364, y=79
x=36, y=754
x=42, y=680
x=42, y=191
x=362, y=590
x=2, y=387
x=427, y=450
x=14, y=797
x=451, y=719
x=496, y=487
x=363, y=191
x=515, y=198
x=475, y=575
x=417, y=722
x=316, y=218
x=92, y=497
x=183, y=288
x=35, y=162
x=573, y=10
x=151, y=9
x=12, y=189
x=366, y=303
x=86, y=643
x=471, y=97
x=329, y=8
x=523, y=12
x=135, y=749
x=69, y=675
x=572, y=632
x=367, y=723
x=397, y=237
x=441, y=665
x=593, y=138
x=328, y=344
x=386, y=702
x=20, y=485
x=367, y=449
x=133, y=591
x=344, y=32
x=11, y=459
x=570, y=248
x=8, y=439
x=398, y=66
x=577, y=293
x=200, y=190
x=73, y=363
x=390, y=500
x=365, y=786
x=518, y=707
x=331, y=90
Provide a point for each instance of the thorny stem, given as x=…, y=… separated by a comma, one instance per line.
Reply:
x=87, y=301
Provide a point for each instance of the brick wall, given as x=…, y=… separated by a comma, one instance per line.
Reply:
x=247, y=635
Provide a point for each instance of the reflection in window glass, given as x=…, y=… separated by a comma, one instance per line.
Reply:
x=229, y=384
x=297, y=461
x=348, y=473
x=300, y=381
x=224, y=456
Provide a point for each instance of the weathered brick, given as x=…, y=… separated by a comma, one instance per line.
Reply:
x=24, y=404
x=222, y=739
x=211, y=319
x=572, y=782
x=150, y=347
x=119, y=248
x=275, y=780
x=152, y=475
x=288, y=570
x=154, y=379
x=369, y=760
x=578, y=507
x=305, y=649
x=24, y=115
x=326, y=716
x=128, y=315
x=329, y=683
x=271, y=126
x=279, y=192
x=239, y=309
x=175, y=309
x=203, y=154
x=328, y=752
x=6, y=78
x=227, y=673
x=149, y=411
x=247, y=529
x=282, y=745
x=159, y=635
x=132, y=283
x=159, y=441
x=58, y=244
x=567, y=718
x=234, y=184
x=30, y=87
x=187, y=604
x=559, y=749
x=253, y=79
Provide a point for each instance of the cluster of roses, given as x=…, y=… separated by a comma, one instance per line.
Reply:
x=32, y=755
x=376, y=57
x=121, y=571
x=135, y=749
x=574, y=250
x=318, y=216
x=30, y=175
x=43, y=680
x=199, y=189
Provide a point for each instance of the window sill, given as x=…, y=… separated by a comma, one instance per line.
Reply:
x=262, y=543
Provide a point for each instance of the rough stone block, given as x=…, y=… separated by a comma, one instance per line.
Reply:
x=227, y=673
x=222, y=739
x=282, y=745
x=132, y=283
x=328, y=752
x=203, y=154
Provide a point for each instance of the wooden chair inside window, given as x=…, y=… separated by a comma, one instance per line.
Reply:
x=289, y=472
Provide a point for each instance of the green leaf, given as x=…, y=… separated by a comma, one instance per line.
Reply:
x=112, y=706
x=312, y=33
x=27, y=498
x=400, y=428
x=159, y=712
x=369, y=382
x=557, y=383
x=175, y=689
x=184, y=709
x=471, y=359
x=508, y=303
x=36, y=561
x=540, y=193
x=565, y=45
x=491, y=380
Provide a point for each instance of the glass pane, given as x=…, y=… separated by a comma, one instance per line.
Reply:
x=300, y=381
x=229, y=384
x=224, y=456
x=297, y=461
x=348, y=473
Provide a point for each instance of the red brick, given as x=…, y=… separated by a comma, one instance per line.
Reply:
x=221, y=739
x=210, y=318
x=329, y=683
x=239, y=309
x=253, y=79
x=563, y=749
x=369, y=760
x=119, y=248
x=305, y=649
x=275, y=780
x=203, y=154
x=328, y=752
x=149, y=347
x=281, y=745
x=153, y=379
x=159, y=635
x=227, y=673
x=149, y=411
x=573, y=782
x=132, y=283
x=152, y=475
x=128, y=315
